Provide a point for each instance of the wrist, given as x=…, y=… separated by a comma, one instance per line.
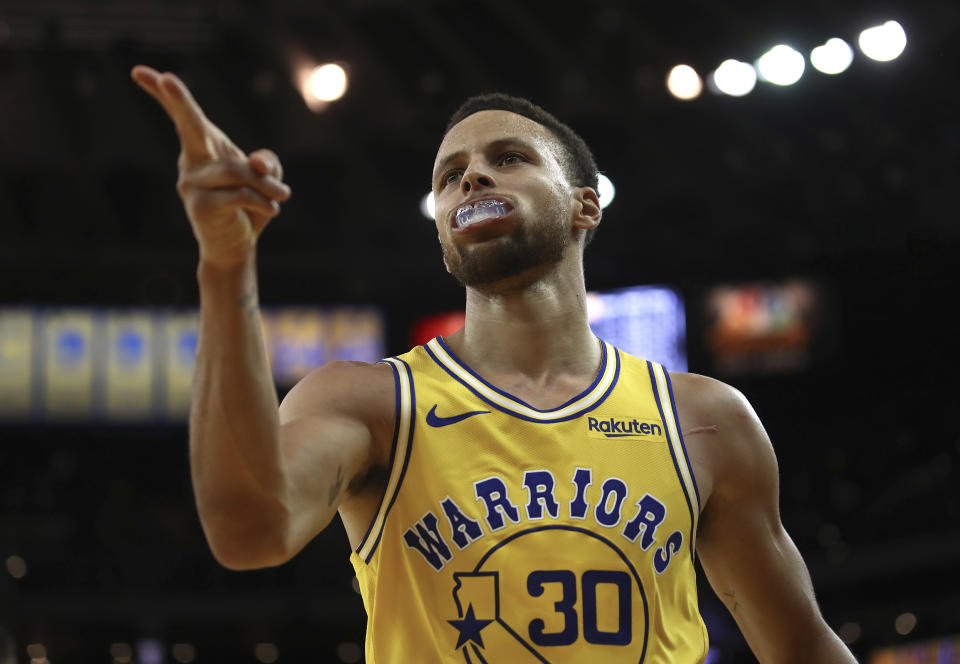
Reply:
x=220, y=268
x=234, y=279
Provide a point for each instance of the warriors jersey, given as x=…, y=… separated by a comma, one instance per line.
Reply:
x=513, y=535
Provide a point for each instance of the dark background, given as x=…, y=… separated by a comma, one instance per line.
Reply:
x=849, y=180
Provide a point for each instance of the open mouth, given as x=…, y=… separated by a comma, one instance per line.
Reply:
x=479, y=211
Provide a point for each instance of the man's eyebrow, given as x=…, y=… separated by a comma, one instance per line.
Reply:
x=499, y=143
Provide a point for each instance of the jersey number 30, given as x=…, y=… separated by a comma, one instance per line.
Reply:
x=566, y=607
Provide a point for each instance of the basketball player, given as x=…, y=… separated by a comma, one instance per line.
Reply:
x=519, y=491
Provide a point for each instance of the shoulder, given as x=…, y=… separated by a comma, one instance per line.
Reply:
x=706, y=398
x=345, y=387
x=724, y=435
x=354, y=394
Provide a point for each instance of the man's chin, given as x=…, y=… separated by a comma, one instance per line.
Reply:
x=502, y=276
x=507, y=262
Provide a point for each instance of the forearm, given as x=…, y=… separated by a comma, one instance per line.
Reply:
x=235, y=459
x=775, y=606
x=824, y=648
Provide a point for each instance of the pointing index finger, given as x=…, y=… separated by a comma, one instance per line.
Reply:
x=149, y=79
x=175, y=97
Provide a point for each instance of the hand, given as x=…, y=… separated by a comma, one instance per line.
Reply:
x=229, y=196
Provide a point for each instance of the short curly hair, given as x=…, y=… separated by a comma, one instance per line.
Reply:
x=578, y=161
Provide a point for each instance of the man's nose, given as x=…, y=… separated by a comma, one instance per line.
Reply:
x=476, y=177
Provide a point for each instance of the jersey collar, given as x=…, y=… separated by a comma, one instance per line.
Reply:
x=586, y=401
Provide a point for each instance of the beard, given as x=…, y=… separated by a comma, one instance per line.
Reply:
x=500, y=259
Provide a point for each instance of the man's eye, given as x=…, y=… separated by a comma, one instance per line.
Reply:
x=511, y=158
x=451, y=177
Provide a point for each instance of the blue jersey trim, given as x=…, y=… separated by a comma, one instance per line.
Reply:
x=603, y=366
x=406, y=460
x=393, y=450
x=683, y=445
x=599, y=400
x=673, y=456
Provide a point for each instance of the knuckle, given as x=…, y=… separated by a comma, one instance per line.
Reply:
x=249, y=195
x=201, y=202
x=237, y=169
x=224, y=171
x=183, y=184
x=276, y=166
x=272, y=161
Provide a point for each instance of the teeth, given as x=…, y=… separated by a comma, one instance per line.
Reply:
x=480, y=211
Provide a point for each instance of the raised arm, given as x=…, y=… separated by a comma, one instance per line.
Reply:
x=750, y=560
x=264, y=485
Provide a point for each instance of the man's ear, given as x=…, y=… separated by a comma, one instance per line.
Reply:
x=586, y=210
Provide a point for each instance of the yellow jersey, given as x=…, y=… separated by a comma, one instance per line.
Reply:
x=509, y=534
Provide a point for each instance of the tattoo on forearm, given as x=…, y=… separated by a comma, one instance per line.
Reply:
x=249, y=304
x=733, y=598
x=335, y=488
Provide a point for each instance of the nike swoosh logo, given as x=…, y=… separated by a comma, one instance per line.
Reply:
x=435, y=420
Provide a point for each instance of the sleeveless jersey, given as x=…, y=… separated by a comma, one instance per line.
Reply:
x=512, y=535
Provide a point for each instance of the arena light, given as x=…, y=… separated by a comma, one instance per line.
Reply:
x=321, y=84
x=349, y=652
x=16, y=566
x=36, y=651
x=883, y=42
x=832, y=57
x=121, y=652
x=150, y=651
x=428, y=206
x=684, y=82
x=905, y=623
x=606, y=190
x=849, y=632
x=183, y=653
x=266, y=653
x=735, y=78
x=781, y=65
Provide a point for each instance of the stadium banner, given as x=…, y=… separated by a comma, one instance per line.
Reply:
x=129, y=365
x=67, y=339
x=16, y=362
x=136, y=365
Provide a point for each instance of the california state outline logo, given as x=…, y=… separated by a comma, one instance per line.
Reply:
x=554, y=594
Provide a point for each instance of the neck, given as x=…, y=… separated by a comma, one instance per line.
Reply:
x=538, y=330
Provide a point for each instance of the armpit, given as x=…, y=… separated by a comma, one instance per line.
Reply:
x=374, y=479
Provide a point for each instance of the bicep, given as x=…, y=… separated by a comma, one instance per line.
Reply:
x=321, y=455
x=330, y=425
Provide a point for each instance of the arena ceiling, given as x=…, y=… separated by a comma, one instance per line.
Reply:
x=860, y=167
